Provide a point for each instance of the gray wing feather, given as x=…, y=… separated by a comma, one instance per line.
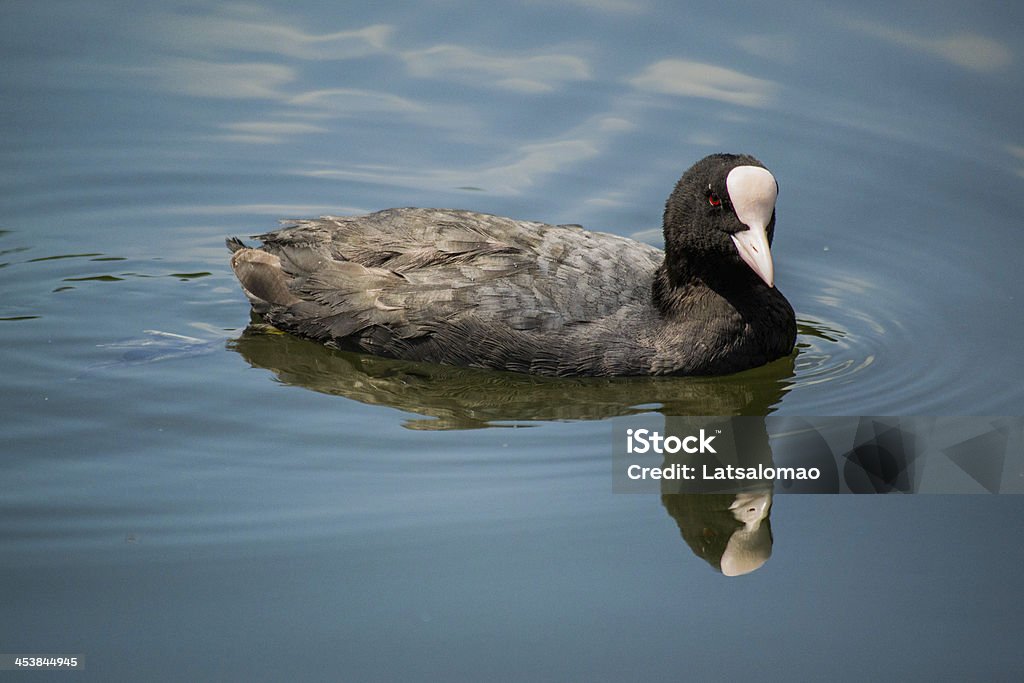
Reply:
x=418, y=283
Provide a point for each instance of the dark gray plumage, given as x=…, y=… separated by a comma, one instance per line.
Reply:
x=478, y=290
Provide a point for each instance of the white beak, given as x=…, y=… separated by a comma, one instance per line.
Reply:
x=752, y=244
x=752, y=191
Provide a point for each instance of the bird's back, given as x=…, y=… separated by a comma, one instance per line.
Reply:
x=448, y=286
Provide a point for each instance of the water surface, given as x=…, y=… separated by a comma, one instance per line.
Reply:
x=185, y=497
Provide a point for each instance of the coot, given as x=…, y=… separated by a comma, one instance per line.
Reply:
x=477, y=290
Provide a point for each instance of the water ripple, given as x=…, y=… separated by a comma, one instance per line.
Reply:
x=861, y=350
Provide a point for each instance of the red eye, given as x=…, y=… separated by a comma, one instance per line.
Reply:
x=713, y=200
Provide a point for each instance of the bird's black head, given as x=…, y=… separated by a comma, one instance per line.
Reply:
x=719, y=218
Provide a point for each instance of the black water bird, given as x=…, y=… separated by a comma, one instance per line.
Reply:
x=477, y=290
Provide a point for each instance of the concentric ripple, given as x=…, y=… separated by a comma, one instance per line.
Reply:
x=862, y=351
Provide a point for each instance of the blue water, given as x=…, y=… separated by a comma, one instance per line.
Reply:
x=182, y=498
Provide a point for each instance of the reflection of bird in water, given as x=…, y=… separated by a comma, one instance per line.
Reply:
x=727, y=522
x=465, y=398
x=732, y=533
x=476, y=290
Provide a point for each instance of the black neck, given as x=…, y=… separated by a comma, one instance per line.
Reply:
x=674, y=286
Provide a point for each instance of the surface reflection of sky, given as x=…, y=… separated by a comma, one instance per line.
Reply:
x=510, y=99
